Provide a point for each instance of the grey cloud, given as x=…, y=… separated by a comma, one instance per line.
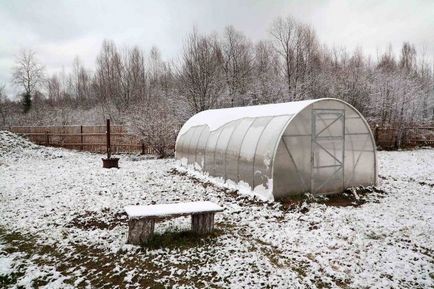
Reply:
x=59, y=30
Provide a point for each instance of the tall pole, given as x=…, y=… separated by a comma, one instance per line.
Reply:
x=109, y=151
x=109, y=162
x=81, y=137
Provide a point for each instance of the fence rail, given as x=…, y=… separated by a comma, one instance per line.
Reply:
x=84, y=138
x=390, y=138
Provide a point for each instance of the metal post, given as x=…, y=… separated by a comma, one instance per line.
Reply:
x=109, y=162
x=81, y=137
x=109, y=153
x=47, y=138
x=143, y=148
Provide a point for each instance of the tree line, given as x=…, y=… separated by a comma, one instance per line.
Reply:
x=154, y=97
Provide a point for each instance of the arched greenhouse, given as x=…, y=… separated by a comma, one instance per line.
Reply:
x=319, y=146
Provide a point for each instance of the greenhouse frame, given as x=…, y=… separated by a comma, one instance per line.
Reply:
x=320, y=146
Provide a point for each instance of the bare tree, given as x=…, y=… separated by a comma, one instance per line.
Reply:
x=156, y=66
x=267, y=84
x=386, y=61
x=284, y=33
x=307, y=61
x=298, y=47
x=238, y=60
x=80, y=83
x=28, y=75
x=136, y=71
x=200, y=75
x=408, y=57
x=54, y=90
x=108, y=81
x=156, y=126
x=2, y=104
x=152, y=95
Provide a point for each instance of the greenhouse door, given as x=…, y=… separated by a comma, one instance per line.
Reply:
x=327, y=159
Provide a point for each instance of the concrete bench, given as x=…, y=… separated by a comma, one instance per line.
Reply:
x=142, y=218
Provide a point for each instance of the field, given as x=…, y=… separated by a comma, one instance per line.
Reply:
x=62, y=225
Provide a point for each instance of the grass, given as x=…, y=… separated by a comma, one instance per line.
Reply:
x=18, y=243
x=353, y=197
x=100, y=268
x=182, y=240
x=85, y=265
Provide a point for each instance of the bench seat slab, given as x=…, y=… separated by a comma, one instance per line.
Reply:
x=166, y=210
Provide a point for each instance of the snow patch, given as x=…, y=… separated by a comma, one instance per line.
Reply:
x=215, y=118
x=5, y=265
x=161, y=210
x=261, y=192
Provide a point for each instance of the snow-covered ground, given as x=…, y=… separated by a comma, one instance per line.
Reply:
x=62, y=225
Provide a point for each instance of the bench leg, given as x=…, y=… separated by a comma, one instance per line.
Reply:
x=202, y=223
x=140, y=230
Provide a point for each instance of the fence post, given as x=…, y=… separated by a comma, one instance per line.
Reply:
x=81, y=137
x=47, y=138
x=143, y=148
x=376, y=131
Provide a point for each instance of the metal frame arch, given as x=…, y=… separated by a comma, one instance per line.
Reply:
x=239, y=149
x=204, y=151
x=184, y=143
x=226, y=149
x=197, y=142
x=256, y=149
x=215, y=146
x=256, y=146
x=192, y=149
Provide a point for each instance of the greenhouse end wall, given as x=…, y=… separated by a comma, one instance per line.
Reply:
x=318, y=146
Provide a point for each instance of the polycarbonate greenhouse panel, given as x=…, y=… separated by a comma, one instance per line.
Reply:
x=265, y=147
x=248, y=149
x=210, y=151
x=201, y=146
x=234, y=147
x=320, y=146
x=221, y=147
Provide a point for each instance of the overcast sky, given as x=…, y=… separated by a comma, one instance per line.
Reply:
x=60, y=30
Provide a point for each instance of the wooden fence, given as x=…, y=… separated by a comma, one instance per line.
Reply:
x=93, y=138
x=391, y=138
x=84, y=138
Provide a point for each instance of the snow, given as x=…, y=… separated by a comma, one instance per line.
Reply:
x=63, y=224
x=216, y=118
x=5, y=265
x=260, y=191
x=162, y=210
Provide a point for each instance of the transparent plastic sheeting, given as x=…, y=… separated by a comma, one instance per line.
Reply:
x=320, y=146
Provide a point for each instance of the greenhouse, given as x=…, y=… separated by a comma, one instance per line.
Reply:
x=320, y=146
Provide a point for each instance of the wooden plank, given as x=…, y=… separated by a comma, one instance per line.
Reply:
x=64, y=126
x=96, y=144
x=74, y=134
x=428, y=142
